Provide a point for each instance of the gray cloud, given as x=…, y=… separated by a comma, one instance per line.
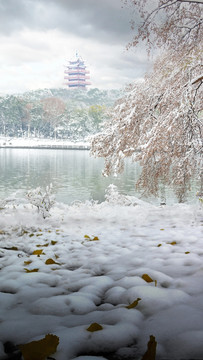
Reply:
x=104, y=20
x=38, y=36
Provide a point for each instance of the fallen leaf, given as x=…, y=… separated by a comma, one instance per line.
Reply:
x=51, y=262
x=187, y=252
x=94, y=327
x=42, y=245
x=147, y=278
x=31, y=235
x=39, y=234
x=53, y=242
x=86, y=236
x=162, y=229
x=38, y=252
x=14, y=248
x=95, y=238
x=159, y=245
x=27, y=262
x=151, y=349
x=133, y=304
x=41, y=349
x=173, y=243
x=31, y=271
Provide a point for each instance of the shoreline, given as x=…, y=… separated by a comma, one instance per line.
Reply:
x=36, y=143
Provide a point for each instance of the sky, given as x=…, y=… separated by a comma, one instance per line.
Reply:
x=39, y=37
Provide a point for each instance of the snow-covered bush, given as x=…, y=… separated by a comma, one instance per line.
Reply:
x=43, y=200
x=113, y=197
x=2, y=204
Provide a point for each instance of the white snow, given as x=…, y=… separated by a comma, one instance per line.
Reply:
x=94, y=280
x=33, y=142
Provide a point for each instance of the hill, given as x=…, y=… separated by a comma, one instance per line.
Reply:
x=56, y=113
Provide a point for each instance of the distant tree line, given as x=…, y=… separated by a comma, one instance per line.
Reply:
x=57, y=113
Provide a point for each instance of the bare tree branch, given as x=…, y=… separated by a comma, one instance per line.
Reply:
x=192, y=1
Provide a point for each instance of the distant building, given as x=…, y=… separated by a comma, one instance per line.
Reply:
x=77, y=74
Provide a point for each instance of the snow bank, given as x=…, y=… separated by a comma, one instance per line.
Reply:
x=38, y=143
x=85, y=264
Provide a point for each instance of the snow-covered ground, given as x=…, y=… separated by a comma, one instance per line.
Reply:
x=97, y=255
x=40, y=142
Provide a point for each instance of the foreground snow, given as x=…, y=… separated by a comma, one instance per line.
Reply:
x=99, y=254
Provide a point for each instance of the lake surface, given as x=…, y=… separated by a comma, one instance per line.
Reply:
x=74, y=174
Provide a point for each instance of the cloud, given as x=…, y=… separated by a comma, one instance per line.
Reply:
x=38, y=37
x=104, y=20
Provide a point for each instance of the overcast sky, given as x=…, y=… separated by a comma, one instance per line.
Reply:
x=38, y=37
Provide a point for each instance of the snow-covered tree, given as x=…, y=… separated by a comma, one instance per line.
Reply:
x=159, y=122
x=54, y=108
x=167, y=23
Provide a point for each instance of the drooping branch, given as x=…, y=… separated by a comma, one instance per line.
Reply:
x=192, y=1
x=197, y=79
x=171, y=23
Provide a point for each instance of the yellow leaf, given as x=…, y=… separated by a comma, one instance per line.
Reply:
x=41, y=349
x=94, y=327
x=86, y=237
x=162, y=229
x=53, y=242
x=95, y=238
x=151, y=349
x=173, y=243
x=39, y=234
x=51, y=262
x=27, y=262
x=37, y=252
x=134, y=304
x=31, y=271
x=43, y=245
x=147, y=278
x=31, y=235
x=187, y=252
x=14, y=248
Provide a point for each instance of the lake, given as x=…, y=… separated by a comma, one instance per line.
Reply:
x=74, y=174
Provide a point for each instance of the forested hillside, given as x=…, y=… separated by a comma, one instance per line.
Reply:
x=56, y=113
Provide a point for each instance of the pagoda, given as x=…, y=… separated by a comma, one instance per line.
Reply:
x=76, y=74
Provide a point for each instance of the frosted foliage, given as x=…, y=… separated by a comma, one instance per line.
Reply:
x=2, y=204
x=167, y=23
x=113, y=197
x=43, y=200
x=159, y=124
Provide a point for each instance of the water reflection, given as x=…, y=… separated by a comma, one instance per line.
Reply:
x=74, y=174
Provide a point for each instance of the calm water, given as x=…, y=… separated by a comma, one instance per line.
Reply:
x=74, y=175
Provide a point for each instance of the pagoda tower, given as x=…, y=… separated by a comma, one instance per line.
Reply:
x=76, y=74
